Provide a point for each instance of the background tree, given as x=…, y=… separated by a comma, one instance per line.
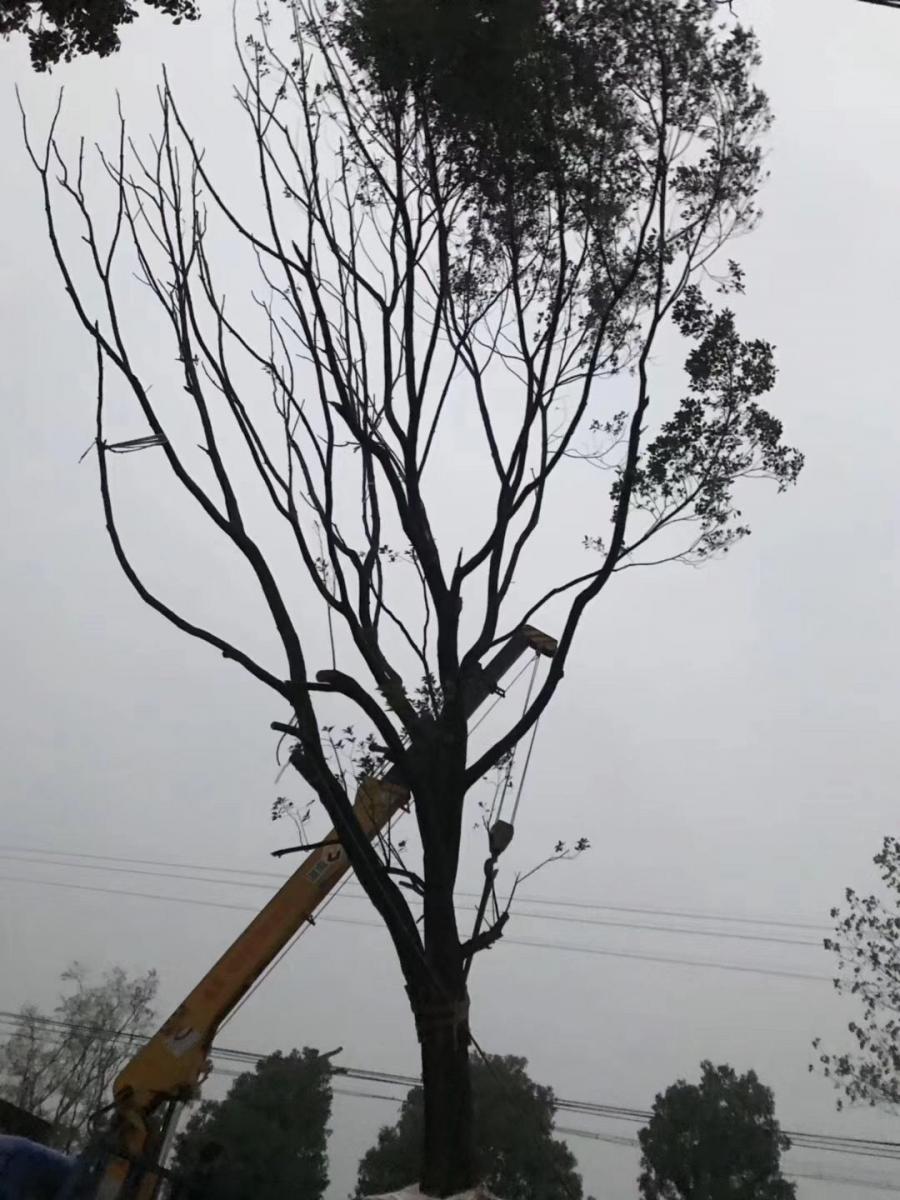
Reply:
x=60, y=1067
x=718, y=1140
x=516, y=1154
x=268, y=1137
x=57, y=32
x=427, y=265
x=866, y=939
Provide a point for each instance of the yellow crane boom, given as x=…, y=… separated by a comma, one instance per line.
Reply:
x=171, y=1066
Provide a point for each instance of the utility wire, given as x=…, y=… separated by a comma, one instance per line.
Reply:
x=565, y=919
x=612, y=1138
x=622, y=1140
x=598, y=1136
x=841, y=1143
x=179, y=874
x=536, y=943
x=848, y=1147
x=616, y=1139
x=149, y=862
x=685, y=915
x=632, y=1143
x=375, y=924
x=875, y=1185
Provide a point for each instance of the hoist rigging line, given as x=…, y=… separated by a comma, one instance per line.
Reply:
x=501, y=785
x=503, y=780
x=501, y=696
x=512, y=759
x=284, y=953
x=173, y=1062
x=525, y=769
x=499, y=833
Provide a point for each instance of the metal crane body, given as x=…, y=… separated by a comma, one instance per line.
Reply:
x=170, y=1068
x=172, y=1065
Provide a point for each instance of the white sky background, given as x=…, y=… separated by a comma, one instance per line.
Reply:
x=726, y=738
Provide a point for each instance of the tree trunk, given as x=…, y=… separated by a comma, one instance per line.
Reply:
x=439, y=996
x=448, y=1163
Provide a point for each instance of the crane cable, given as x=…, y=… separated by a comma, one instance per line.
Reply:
x=251, y=991
x=511, y=763
x=525, y=768
x=334, y=894
x=500, y=834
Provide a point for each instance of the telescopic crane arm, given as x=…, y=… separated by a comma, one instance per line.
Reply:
x=172, y=1065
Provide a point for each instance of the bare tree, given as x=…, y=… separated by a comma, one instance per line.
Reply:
x=60, y=1067
x=435, y=247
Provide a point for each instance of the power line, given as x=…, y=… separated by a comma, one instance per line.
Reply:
x=616, y=1139
x=680, y=914
x=887, y=1149
x=130, y=870
x=818, y=1144
x=599, y=922
x=869, y=1147
x=619, y=1139
x=771, y=972
x=339, y=1091
x=849, y=1146
x=534, y=943
x=622, y=1140
x=839, y=1143
x=592, y=1135
x=709, y=933
x=878, y=1185
x=149, y=862
x=875, y=1185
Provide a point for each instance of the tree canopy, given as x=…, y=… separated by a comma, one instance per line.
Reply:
x=459, y=294
x=58, y=32
x=268, y=1137
x=716, y=1140
x=866, y=942
x=517, y=1156
x=59, y=1066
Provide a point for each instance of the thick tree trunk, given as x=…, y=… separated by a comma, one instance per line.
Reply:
x=448, y=1164
x=438, y=992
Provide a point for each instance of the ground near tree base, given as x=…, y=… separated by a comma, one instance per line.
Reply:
x=413, y=1193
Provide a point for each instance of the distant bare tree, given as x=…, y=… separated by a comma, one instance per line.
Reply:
x=60, y=1067
x=438, y=251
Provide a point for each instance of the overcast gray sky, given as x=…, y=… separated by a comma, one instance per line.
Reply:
x=727, y=738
